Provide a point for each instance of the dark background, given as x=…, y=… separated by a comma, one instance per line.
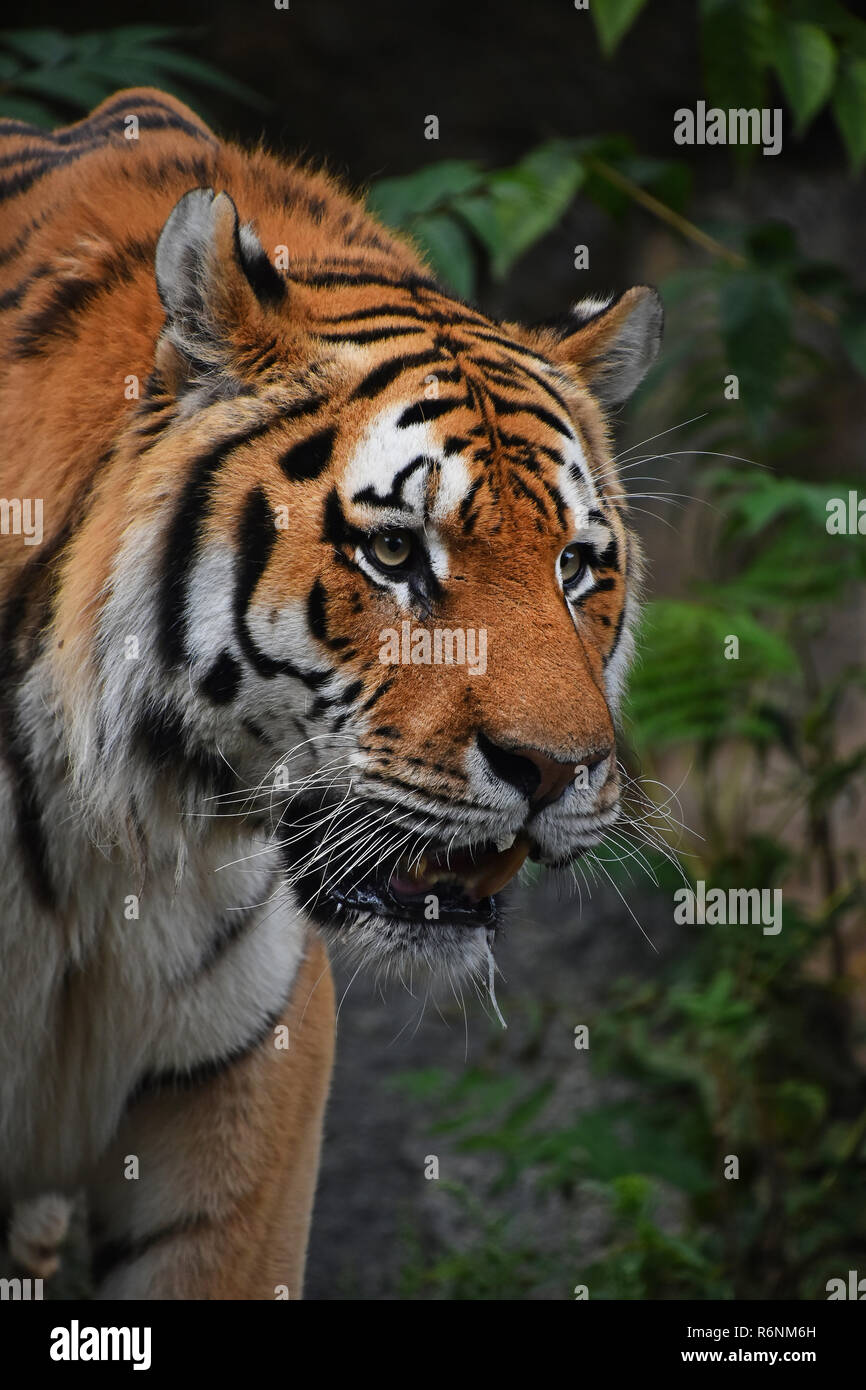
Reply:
x=351, y=84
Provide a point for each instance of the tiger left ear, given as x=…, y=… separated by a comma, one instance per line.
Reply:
x=612, y=343
x=213, y=276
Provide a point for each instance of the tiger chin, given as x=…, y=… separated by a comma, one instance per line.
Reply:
x=261, y=437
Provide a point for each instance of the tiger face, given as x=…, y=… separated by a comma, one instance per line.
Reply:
x=394, y=592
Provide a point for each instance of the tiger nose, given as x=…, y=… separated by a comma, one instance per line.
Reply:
x=535, y=774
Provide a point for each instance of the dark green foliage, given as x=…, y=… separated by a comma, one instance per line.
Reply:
x=750, y=1045
x=47, y=76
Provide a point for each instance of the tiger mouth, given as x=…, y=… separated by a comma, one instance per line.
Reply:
x=457, y=887
x=445, y=887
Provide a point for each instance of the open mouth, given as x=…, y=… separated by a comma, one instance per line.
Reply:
x=441, y=887
x=458, y=887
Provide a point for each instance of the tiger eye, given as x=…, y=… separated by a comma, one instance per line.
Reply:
x=392, y=548
x=572, y=563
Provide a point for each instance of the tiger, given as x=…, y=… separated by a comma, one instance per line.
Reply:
x=247, y=434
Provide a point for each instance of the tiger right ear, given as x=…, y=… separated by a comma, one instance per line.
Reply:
x=213, y=276
x=612, y=343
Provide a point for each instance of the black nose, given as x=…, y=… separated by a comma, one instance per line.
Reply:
x=534, y=774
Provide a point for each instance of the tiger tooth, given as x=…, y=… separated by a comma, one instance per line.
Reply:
x=505, y=842
x=494, y=877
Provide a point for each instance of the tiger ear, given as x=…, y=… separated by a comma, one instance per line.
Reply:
x=613, y=343
x=212, y=274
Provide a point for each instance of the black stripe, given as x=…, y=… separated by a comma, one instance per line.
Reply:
x=309, y=458
x=336, y=279
x=505, y=406
x=8, y=253
x=512, y=345
x=469, y=498
x=182, y=540
x=521, y=489
x=316, y=614
x=267, y=282
x=222, y=682
x=382, y=376
x=27, y=591
x=376, y=311
x=24, y=179
x=135, y=102
x=516, y=441
x=19, y=156
x=160, y=737
x=538, y=380
x=234, y=926
x=69, y=298
x=377, y=694
x=455, y=313
x=10, y=126
x=557, y=499
x=74, y=147
x=110, y=1255
x=394, y=497
x=337, y=530
x=423, y=411
x=425, y=792
x=200, y=1073
x=307, y=406
x=373, y=335
x=256, y=538
x=513, y=371
x=609, y=558
x=11, y=298
x=616, y=636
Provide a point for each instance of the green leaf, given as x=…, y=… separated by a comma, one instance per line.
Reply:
x=670, y=180
x=398, y=200
x=773, y=244
x=132, y=34
x=82, y=70
x=205, y=74
x=752, y=501
x=519, y=205
x=755, y=322
x=9, y=66
x=805, y=59
x=446, y=245
x=736, y=42
x=42, y=46
x=23, y=109
x=65, y=84
x=613, y=19
x=849, y=108
x=683, y=686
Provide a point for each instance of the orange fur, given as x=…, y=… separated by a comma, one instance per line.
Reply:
x=235, y=368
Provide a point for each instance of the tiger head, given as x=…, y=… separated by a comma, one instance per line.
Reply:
x=392, y=578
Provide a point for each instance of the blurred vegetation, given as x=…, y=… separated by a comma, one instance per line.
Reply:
x=48, y=77
x=749, y=1045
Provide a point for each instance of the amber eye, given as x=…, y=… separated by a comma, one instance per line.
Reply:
x=572, y=563
x=392, y=549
